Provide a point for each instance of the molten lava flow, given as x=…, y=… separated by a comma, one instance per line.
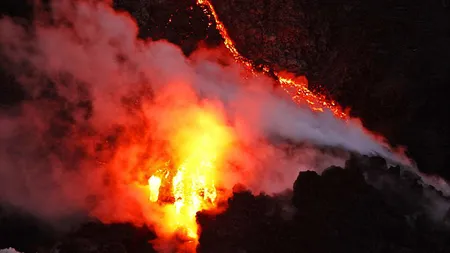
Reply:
x=296, y=89
x=199, y=148
x=212, y=14
x=154, y=183
x=188, y=184
x=299, y=92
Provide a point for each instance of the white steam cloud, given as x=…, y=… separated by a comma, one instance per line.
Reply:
x=107, y=94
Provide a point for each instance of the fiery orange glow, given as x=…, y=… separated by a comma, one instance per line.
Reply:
x=187, y=184
x=298, y=90
x=154, y=183
x=199, y=148
x=212, y=15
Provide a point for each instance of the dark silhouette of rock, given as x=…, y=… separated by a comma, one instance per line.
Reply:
x=95, y=237
x=337, y=211
x=24, y=232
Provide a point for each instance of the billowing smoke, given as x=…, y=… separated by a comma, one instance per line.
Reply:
x=101, y=103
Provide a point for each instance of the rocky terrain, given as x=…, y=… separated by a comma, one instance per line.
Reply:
x=387, y=61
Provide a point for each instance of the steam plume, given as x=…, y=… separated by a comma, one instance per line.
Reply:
x=102, y=103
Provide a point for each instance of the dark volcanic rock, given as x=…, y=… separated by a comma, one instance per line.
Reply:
x=98, y=238
x=23, y=231
x=335, y=212
x=250, y=224
x=180, y=22
x=28, y=234
x=272, y=32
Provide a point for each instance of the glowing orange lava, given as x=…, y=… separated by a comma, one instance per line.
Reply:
x=187, y=184
x=298, y=90
x=199, y=148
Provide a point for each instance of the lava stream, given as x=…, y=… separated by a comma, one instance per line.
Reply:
x=188, y=185
x=199, y=147
x=297, y=88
